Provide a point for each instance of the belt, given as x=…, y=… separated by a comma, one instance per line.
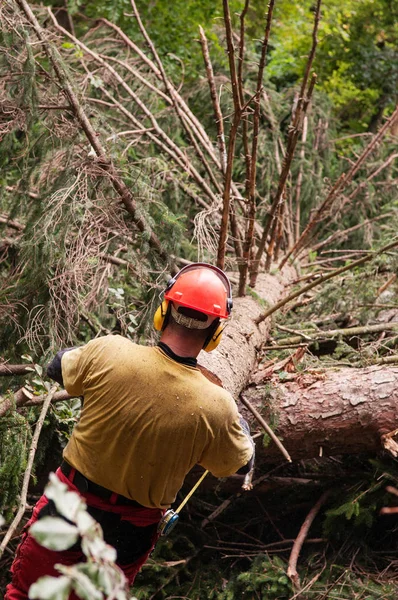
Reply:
x=85, y=485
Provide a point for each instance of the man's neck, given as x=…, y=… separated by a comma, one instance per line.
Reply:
x=189, y=361
x=180, y=346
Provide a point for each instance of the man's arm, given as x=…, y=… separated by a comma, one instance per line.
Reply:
x=249, y=466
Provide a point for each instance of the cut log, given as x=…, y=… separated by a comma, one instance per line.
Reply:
x=346, y=411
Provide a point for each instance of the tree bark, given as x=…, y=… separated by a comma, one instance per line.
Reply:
x=236, y=357
x=346, y=411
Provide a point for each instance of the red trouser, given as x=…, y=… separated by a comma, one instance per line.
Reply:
x=33, y=561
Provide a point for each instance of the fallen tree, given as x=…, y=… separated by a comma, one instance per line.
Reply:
x=345, y=411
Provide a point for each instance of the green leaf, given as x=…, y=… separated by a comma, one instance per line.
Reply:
x=54, y=533
x=87, y=524
x=39, y=370
x=68, y=504
x=98, y=549
x=84, y=588
x=50, y=588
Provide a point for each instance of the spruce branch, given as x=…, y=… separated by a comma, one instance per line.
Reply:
x=270, y=227
x=324, y=278
x=175, y=96
x=167, y=143
x=343, y=234
x=80, y=114
x=295, y=128
x=189, y=128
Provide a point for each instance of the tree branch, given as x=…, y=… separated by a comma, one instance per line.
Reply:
x=106, y=163
x=26, y=479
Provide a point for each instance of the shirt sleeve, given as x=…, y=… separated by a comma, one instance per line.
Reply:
x=230, y=447
x=76, y=365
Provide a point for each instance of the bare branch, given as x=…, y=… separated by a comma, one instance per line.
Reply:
x=214, y=98
x=341, y=183
x=253, y=159
x=26, y=479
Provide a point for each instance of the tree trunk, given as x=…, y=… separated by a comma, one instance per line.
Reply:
x=346, y=411
x=236, y=357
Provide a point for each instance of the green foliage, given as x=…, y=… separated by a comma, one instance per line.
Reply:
x=357, y=513
x=340, y=583
x=15, y=437
x=266, y=579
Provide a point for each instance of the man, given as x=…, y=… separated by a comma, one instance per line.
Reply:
x=149, y=415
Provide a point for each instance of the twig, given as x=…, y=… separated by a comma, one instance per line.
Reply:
x=224, y=505
x=26, y=479
x=222, y=242
x=214, y=98
x=386, y=285
x=292, y=567
x=334, y=333
x=322, y=279
x=265, y=425
x=11, y=223
x=362, y=184
x=300, y=179
x=245, y=115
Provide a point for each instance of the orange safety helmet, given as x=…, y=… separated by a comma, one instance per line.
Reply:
x=201, y=287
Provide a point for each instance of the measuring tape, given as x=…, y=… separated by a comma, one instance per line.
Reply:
x=170, y=517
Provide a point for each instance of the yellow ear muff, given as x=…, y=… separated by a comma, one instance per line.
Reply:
x=215, y=339
x=159, y=316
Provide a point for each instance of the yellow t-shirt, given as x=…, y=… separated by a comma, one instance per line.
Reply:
x=147, y=420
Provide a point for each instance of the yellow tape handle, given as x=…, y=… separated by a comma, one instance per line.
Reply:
x=195, y=487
